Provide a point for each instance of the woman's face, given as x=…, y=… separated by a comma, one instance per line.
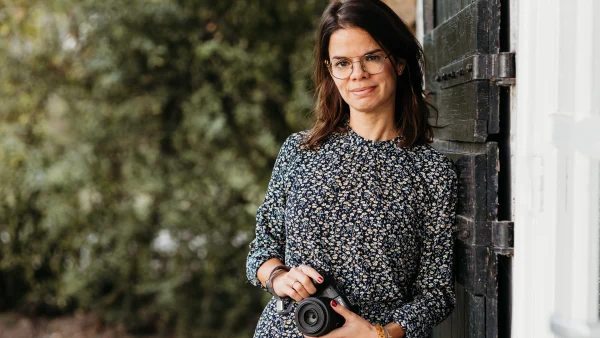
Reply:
x=363, y=92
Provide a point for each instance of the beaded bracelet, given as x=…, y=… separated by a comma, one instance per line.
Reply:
x=380, y=331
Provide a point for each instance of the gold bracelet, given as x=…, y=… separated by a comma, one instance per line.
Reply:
x=380, y=331
x=387, y=332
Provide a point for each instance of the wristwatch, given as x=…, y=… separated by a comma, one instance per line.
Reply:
x=269, y=283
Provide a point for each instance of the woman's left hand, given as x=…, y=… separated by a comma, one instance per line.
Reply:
x=355, y=325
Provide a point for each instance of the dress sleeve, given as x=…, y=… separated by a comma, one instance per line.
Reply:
x=270, y=227
x=433, y=291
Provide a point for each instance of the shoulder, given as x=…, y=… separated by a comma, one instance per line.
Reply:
x=293, y=143
x=432, y=164
x=291, y=149
x=297, y=138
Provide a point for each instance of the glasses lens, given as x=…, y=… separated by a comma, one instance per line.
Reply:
x=373, y=63
x=341, y=68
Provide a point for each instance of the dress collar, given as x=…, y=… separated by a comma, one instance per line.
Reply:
x=358, y=140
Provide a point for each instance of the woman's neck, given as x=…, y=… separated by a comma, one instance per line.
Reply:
x=376, y=127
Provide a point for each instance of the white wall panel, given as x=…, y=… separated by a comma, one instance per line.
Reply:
x=556, y=142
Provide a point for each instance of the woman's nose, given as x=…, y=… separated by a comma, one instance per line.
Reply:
x=358, y=71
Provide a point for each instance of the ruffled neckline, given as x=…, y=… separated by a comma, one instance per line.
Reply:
x=361, y=141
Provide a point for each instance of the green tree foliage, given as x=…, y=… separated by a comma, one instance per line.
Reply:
x=137, y=138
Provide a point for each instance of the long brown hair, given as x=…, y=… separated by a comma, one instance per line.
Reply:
x=392, y=34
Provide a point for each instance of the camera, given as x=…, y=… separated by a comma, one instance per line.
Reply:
x=314, y=315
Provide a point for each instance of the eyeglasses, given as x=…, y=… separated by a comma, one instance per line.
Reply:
x=341, y=69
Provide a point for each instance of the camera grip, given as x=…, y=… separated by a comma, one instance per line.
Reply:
x=343, y=302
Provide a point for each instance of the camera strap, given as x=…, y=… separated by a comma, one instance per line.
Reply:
x=281, y=307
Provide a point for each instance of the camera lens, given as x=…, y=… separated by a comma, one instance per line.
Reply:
x=310, y=317
x=315, y=317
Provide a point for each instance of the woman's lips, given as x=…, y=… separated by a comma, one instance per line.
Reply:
x=362, y=91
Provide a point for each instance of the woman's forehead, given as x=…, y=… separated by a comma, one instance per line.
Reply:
x=351, y=42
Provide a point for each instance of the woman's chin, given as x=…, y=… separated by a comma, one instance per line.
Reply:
x=362, y=107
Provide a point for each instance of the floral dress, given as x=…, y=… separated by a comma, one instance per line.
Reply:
x=376, y=217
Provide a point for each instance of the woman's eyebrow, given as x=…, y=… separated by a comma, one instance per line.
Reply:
x=371, y=52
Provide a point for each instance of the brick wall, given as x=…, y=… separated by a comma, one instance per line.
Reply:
x=406, y=9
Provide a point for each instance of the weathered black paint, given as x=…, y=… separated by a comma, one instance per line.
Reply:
x=471, y=32
x=464, y=75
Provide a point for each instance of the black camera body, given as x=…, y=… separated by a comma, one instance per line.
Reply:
x=314, y=316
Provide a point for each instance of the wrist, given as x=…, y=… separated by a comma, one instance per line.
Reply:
x=394, y=330
x=275, y=279
x=387, y=332
x=275, y=272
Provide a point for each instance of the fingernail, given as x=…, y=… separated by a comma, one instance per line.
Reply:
x=320, y=279
x=333, y=303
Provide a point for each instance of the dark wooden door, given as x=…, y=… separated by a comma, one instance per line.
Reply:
x=468, y=74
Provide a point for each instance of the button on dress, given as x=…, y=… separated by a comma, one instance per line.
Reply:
x=376, y=217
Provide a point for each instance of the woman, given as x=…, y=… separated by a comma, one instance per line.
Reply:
x=361, y=196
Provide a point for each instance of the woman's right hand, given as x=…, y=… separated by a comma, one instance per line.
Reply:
x=296, y=283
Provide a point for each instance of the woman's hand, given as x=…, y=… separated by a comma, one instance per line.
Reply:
x=296, y=283
x=355, y=325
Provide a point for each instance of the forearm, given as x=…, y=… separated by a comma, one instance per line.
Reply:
x=265, y=269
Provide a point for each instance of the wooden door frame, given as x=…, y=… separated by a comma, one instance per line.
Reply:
x=478, y=147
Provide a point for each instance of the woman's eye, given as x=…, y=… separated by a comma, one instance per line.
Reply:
x=372, y=57
x=342, y=64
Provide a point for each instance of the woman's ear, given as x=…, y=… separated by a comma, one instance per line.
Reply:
x=400, y=65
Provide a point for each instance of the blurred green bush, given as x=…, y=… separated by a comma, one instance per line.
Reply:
x=136, y=142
